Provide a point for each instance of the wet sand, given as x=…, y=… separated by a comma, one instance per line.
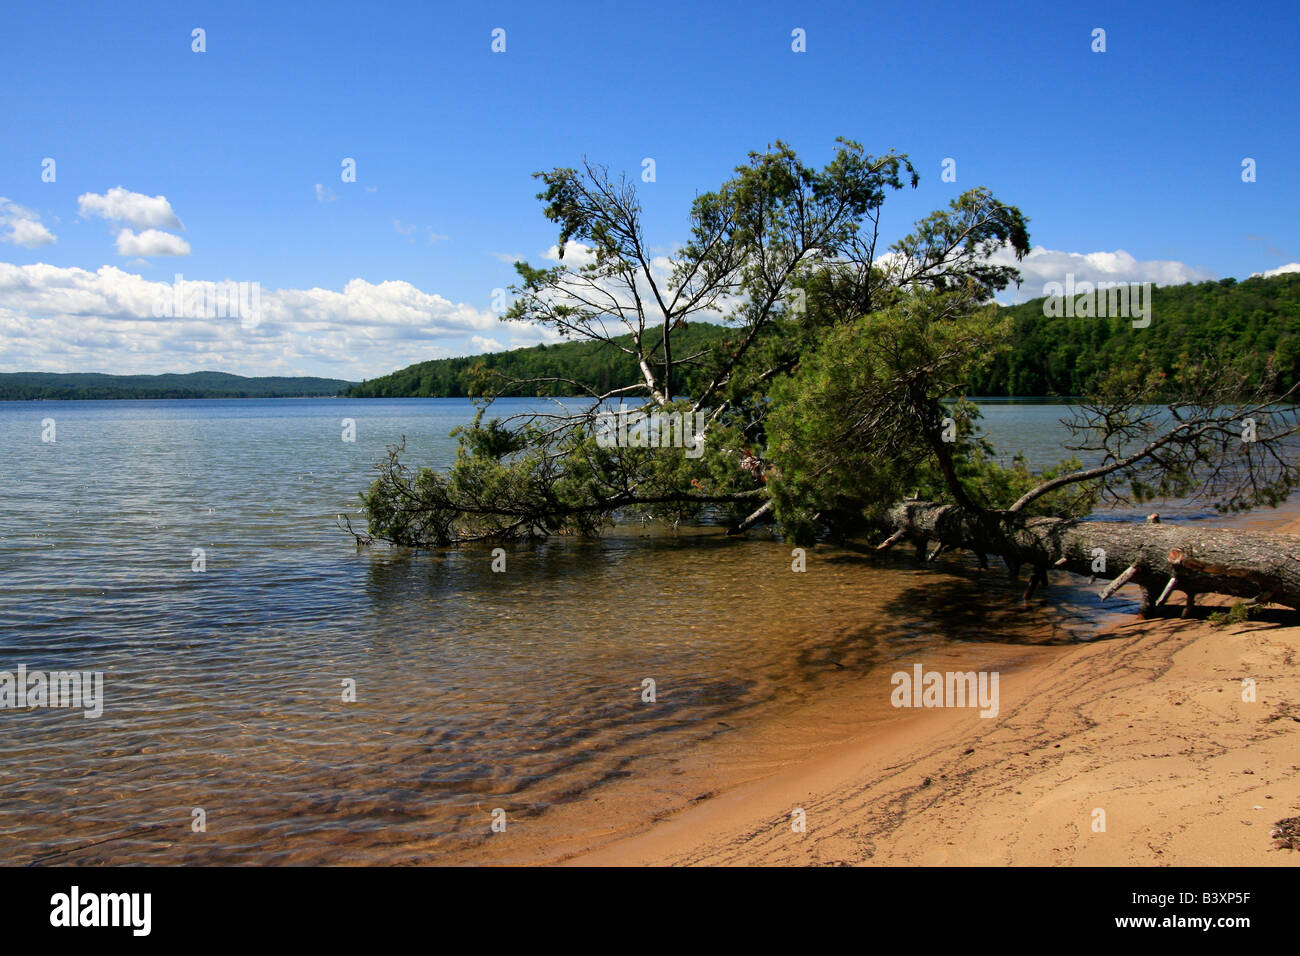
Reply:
x=1146, y=725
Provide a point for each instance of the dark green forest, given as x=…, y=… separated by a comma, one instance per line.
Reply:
x=594, y=364
x=24, y=386
x=1253, y=320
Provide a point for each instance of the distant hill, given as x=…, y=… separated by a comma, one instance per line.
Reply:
x=23, y=386
x=1254, y=319
x=595, y=364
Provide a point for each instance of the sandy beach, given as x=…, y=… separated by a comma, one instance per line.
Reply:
x=1136, y=748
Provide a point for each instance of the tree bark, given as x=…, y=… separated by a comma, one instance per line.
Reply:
x=757, y=516
x=1158, y=558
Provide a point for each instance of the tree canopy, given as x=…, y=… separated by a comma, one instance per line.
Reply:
x=839, y=386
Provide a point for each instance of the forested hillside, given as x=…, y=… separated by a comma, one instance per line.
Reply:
x=1253, y=319
x=18, y=386
x=592, y=363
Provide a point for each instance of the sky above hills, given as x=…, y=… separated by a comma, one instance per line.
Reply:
x=128, y=157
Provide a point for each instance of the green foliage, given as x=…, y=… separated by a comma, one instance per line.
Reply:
x=1239, y=613
x=862, y=421
x=999, y=486
x=532, y=480
x=1255, y=320
x=951, y=248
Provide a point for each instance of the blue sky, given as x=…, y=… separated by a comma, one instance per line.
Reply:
x=1136, y=149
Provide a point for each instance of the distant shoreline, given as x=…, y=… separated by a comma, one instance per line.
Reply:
x=102, y=386
x=160, y=398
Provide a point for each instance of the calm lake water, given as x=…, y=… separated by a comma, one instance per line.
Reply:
x=223, y=687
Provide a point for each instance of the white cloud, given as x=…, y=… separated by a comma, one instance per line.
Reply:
x=122, y=205
x=509, y=258
x=324, y=193
x=486, y=344
x=1280, y=270
x=436, y=236
x=69, y=319
x=620, y=303
x=1042, y=266
x=29, y=233
x=404, y=229
x=576, y=254
x=11, y=210
x=151, y=242
x=25, y=228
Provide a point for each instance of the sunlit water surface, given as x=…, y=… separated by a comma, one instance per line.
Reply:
x=224, y=687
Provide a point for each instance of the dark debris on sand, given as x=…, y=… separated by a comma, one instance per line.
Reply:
x=1286, y=834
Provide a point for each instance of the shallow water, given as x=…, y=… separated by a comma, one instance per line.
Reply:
x=474, y=691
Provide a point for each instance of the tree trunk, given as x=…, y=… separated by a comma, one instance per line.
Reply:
x=1158, y=558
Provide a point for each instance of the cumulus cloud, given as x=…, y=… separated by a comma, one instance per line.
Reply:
x=1280, y=270
x=487, y=345
x=1042, y=266
x=24, y=226
x=151, y=242
x=69, y=319
x=122, y=205
x=30, y=233
x=576, y=254
x=614, y=293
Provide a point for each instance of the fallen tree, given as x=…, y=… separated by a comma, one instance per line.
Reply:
x=1159, y=558
x=877, y=411
x=841, y=387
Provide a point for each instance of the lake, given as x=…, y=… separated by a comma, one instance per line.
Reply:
x=189, y=550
